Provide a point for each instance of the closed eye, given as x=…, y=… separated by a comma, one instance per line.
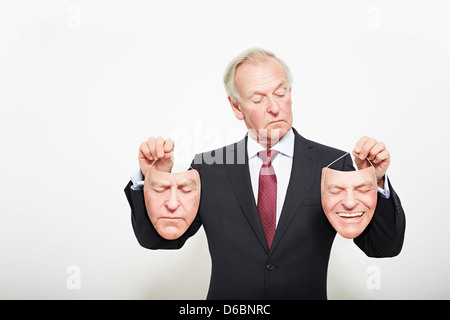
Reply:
x=365, y=187
x=335, y=190
x=257, y=100
x=159, y=189
x=280, y=92
x=186, y=189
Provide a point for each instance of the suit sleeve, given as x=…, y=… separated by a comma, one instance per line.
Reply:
x=145, y=232
x=384, y=235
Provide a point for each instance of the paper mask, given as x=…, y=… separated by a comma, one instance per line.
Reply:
x=349, y=199
x=172, y=200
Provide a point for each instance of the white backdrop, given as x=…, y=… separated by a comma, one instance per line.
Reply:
x=82, y=83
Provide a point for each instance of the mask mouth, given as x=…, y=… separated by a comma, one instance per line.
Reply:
x=350, y=215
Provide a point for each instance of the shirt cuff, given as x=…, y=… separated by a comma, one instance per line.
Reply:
x=385, y=193
x=138, y=180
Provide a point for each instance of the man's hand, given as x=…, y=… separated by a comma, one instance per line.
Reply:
x=376, y=152
x=156, y=148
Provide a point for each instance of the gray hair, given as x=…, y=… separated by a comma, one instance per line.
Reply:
x=253, y=55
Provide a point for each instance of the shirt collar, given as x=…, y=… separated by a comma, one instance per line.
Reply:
x=285, y=146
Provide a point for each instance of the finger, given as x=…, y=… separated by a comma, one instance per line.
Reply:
x=168, y=145
x=382, y=156
x=370, y=143
x=144, y=151
x=159, y=147
x=360, y=164
x=151, y=143
x=376, y=149
x=356, y=155
x=359, y=145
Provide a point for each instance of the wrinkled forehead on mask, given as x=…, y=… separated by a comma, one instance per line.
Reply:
x=344, y=179
x=188, y=180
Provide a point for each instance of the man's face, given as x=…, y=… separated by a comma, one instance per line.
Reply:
x=349, y=199
x=172, y=201
x=265, y=100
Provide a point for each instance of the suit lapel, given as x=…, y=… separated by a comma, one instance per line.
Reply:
x=300, y=182
x=239, y=174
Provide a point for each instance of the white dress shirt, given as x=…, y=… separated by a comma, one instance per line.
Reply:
x=282, y=165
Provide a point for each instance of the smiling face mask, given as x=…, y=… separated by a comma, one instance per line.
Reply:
x=172, y=200
x=349, y=199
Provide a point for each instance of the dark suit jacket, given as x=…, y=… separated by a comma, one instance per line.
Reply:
x=295, y=267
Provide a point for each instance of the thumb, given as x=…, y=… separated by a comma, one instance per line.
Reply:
x=360, y=164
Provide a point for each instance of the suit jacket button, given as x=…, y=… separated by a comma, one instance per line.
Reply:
x=270, y=267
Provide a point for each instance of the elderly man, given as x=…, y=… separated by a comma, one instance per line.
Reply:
x=260, y=202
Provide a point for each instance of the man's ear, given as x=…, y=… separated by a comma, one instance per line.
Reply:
x=236, y=109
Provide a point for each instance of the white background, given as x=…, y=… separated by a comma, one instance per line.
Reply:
x=82, y=83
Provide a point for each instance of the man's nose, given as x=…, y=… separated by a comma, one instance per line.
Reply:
x=273, y=106
x=349, y=202
x=173, y=203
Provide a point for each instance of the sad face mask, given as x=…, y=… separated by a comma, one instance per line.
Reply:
x=172, y=200
x=349, y=199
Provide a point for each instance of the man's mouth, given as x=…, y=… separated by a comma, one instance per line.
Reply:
x=274, y=122
x=348, y=215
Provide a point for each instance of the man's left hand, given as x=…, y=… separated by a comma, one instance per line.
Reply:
x=376, y=152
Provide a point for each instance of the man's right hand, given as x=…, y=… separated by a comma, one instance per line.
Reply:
x=156, y=148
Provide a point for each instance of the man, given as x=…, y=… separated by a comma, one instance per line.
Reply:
x=267, y=233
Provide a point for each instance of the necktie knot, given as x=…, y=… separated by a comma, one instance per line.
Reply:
x=267, y=156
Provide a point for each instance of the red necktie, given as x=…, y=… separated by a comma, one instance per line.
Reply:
x=267, y=194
